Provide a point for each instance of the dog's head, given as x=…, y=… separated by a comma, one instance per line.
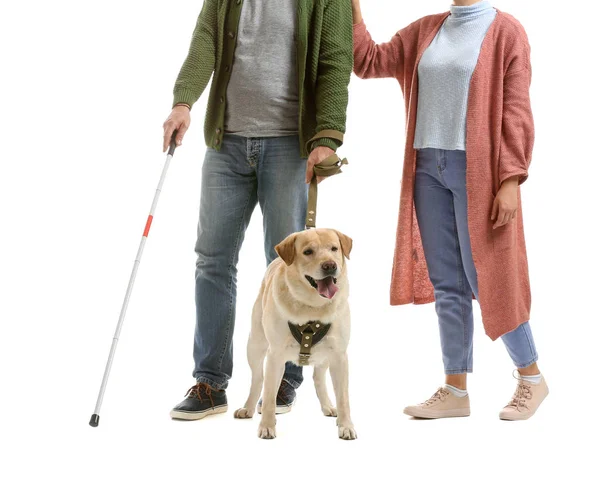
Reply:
x=317, y=255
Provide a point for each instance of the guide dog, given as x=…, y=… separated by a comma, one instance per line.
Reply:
x=306, y=286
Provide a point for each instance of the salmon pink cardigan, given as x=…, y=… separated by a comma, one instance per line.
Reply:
x=499, y=144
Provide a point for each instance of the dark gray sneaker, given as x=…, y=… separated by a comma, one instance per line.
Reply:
x=201, y=400
x=286, y=397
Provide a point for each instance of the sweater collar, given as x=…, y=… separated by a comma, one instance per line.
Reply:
x=470, y=11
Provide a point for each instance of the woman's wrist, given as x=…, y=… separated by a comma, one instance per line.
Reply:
x=183, y=104
x=356, y=13
x=513, y=182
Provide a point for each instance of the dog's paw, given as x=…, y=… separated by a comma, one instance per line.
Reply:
x=347, y=433
x=329, y=411
x=266, y=432
x=243, y=413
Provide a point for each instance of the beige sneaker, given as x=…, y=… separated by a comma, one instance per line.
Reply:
x=442, y=404
x=525, y=401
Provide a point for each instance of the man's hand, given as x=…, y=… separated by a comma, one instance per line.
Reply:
x=506, y=202
x=179, y=120
x=316, y=157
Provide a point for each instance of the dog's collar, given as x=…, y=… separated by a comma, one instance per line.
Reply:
x=307, y=336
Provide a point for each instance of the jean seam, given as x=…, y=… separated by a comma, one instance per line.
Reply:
x=230, y=284
x=533, y=353
x=458, y=371
x=461, y=283
x=526, y=365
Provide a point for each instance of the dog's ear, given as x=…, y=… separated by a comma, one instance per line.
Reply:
x=287, y=249
x=346, y=243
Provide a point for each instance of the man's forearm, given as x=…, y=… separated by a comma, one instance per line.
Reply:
x=335, y=68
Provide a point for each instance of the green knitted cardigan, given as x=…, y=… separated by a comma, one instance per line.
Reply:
x=324, y=60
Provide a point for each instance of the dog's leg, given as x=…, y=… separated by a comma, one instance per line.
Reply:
x=257, y=348
x=339, y=375
x=274, y=373
x=321, y=387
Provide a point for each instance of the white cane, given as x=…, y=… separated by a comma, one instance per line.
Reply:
x=95, y=419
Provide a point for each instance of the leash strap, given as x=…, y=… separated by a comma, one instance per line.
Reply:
x=330, y=166
x=307, y=336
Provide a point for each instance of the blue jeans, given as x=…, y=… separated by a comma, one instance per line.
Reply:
x=441, y=207
x=246, y=171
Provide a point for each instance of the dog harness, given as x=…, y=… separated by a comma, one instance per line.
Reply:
x=307, y=336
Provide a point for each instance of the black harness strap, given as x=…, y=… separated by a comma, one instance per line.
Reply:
x=307, y=336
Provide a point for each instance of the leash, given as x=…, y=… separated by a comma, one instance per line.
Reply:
x=330, y=166
x=307, y=336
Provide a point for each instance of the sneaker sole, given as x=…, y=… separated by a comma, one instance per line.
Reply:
x=278, y=409
x=194, y=416
x=421, y=414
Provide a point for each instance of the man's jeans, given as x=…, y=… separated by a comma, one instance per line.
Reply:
x=246, y=171
x=441, y=207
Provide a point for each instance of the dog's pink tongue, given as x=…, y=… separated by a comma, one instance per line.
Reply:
x=326, y=287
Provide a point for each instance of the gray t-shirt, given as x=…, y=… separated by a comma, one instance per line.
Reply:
x=262, y=95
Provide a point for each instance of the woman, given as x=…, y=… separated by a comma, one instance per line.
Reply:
x=465, y=75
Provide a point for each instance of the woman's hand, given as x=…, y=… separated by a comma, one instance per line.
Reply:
x=356, y=13
x=179, y=120
x=506, y=202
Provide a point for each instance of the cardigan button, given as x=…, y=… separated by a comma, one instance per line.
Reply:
x=227, y=68
x=231, y=35
x=217, y=141
x=218, y=131
x=238, y=2
x=222, y=100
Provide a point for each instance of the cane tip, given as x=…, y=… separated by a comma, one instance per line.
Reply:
x=95, y=419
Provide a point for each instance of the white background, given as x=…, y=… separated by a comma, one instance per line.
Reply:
x=85, y=87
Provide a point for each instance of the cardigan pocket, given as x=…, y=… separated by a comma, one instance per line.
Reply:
x=505, y=237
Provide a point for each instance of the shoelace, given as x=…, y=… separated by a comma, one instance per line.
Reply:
x=439, y=395
x=202, y=392
x=522, y=394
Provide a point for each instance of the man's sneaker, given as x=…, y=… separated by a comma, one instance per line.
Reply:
x=441, y=405
x=200, y=401
x=525, y=401
x=286, y=397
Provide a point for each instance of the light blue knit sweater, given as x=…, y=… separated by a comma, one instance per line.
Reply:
x=445, y=72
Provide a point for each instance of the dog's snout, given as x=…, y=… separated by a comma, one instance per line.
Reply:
x=329, y=267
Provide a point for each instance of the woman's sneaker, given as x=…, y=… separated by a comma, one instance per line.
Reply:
x=525, y=401
x=441, y=405
x=286, y=397
x=201, y=400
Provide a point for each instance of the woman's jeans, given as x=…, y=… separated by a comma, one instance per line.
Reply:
x=441, y=207
x=246, y=171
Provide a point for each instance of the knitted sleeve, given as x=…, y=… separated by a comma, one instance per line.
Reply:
x=199, y=65
x=372, y=60
x=517, y=118
x=334, y=71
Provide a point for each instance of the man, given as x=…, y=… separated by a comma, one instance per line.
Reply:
x=281, y=73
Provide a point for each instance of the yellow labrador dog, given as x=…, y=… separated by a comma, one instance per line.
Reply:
x=306, y=285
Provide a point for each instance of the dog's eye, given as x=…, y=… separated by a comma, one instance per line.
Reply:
x=335, y=248
x=308, y=252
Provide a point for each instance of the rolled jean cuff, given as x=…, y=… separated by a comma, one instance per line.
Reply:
x=211, y=383
x=457, y=371
x=526, y=365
